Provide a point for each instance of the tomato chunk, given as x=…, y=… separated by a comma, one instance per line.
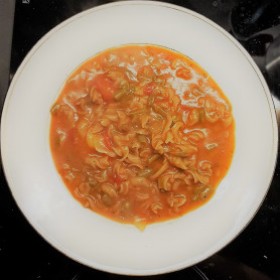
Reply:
x=105, y=86
x=184, y=73
x=106, y=139
x=149, y=88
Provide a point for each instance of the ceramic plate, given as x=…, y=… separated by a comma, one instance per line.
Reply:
x=96, y=241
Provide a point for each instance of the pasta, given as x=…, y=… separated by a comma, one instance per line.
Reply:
x=141, y=134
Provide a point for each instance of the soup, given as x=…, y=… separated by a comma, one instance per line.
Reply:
x=141, y=134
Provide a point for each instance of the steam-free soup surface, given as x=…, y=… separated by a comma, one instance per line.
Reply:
x=141, y=134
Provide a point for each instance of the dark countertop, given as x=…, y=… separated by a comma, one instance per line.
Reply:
x=254, y=254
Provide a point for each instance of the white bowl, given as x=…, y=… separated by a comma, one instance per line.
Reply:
x=96, y=241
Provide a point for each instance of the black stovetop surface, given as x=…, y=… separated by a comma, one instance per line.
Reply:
x=254, y=254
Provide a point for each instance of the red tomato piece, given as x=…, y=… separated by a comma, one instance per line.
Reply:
x=149, y=88
x=105, y=86
x=184, y=73
x=107, y=140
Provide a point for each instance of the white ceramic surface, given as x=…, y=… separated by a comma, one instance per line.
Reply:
x=96, y=241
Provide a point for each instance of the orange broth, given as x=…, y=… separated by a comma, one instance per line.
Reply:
x=141, y=134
